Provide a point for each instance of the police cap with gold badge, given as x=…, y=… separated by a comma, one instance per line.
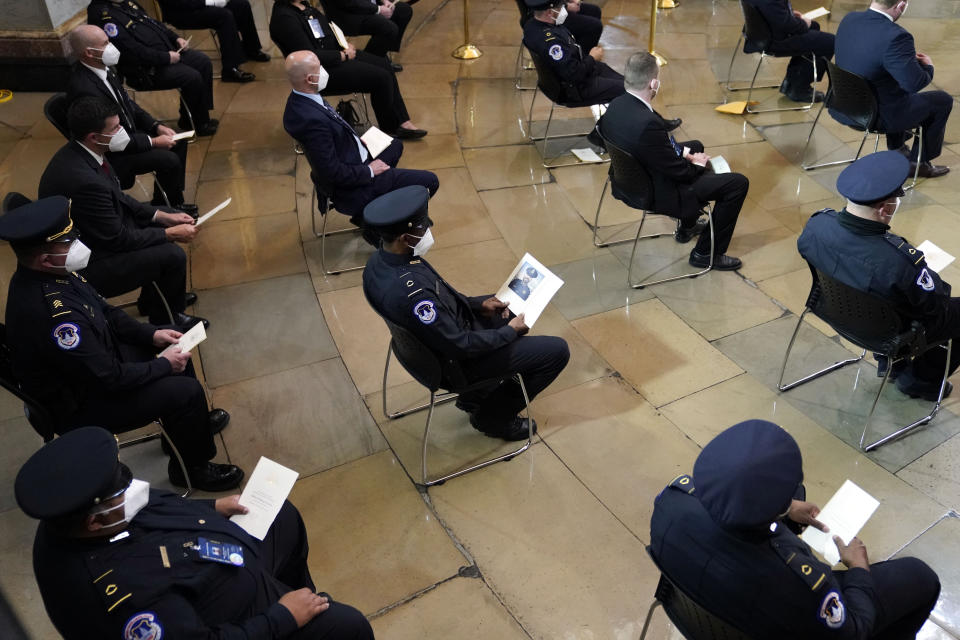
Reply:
x=399, y=211
x=874, y=178
x=70, y=474
x=40, y=221
x=543, y=4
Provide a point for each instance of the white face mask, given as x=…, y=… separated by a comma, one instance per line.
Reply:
x=135, y=498
x=904, y=10
x=119, y=140
x=322, y=78
x=109, y=55
x=562, y=15
x=424, y=244
x=655, y=89
x=78, y=255
x=887, y=218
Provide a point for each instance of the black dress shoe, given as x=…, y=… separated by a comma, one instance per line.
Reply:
x=683, y=236
x=672, y=124
x=396, y=66
x=259, y=56
x=207, y=128
x=466, y=407
x=188, y=208
x=928, y=391
x=929, y=170
x=185, y=322
x=722, y=262
x=409, y=134
x=190, y=299
x=237, y=75
x=218, y=420
x=517, y=429
x=596, y=139
x=208, y=476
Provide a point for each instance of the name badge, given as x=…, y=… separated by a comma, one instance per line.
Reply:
x=315, y=27
x=220, y=552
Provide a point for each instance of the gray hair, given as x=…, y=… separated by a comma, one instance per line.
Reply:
x=641, y=69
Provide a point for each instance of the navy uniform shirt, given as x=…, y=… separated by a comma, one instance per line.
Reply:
x=142, y=41
x=559, y=49
x=408, y=292
x=768, y=585
x=871, y=259
x=153, y=581
x=65, y=342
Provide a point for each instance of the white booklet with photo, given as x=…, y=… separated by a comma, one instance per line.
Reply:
x=816, y=13
x=844, y=514
x=376, y=141
x=936, y=258
x=269, y=485
x=529, y=289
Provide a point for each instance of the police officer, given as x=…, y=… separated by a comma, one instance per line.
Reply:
x=116, y=559
x=582, y=75
x=154, y=57
x=728, y=538
x=856, y=247
x=478, y=333
x=86, y=362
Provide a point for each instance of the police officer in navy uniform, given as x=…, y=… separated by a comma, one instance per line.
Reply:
x=154, y=57
x=728, y=538
x=86, y=362
x=478, y=333
x=116, y=559
x=856, y=247
x=582, y=74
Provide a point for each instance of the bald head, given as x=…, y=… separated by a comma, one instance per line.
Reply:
x=87, y=43
x=301, y=66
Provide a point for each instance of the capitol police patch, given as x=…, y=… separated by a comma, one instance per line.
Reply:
x=556, y=52
x=67, y=336
x=110, y=29
x=143, y=626
x=832, y=612
x=425, y=311
x=925, y=280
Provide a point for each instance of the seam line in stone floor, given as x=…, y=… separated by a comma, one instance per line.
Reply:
x=949, y=514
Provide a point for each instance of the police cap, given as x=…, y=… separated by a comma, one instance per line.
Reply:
x=543, y=4
x=70, y=474
x=40, y=221
x=874, y=178
x=399, y=211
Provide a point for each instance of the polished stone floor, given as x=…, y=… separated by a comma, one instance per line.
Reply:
x=551, y=544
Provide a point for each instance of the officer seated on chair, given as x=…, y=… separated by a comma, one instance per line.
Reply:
x=856, y=247
x=728, y=538
x=116, y=559
x=478, y=333
x=87, y=362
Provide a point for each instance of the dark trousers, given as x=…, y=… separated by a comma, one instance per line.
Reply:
x=925, y=372
x=728, y=191
x=193, y=75
x=118, y=273
x=908, y=590
x=602, y=87
x=800, y=70
x=539, y=359
x=585, y=25
x=371, y=74
x=234, y=24
x=385, y=33
x=178, y=401
x=929, y=109
x=170, y=165
x=352, y=202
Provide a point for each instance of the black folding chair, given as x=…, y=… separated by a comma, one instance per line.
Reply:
x=436, y=372
x=854, y=97
x=870, y=323
x=522, y=65
x=756, y=38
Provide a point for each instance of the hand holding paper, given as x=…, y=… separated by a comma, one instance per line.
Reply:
x=845, y=514
x=528, y=290
x=212, y=212
x=814, y=14
x=376, y=141
x=936, y=258
x=269, y=485
x=184, y=134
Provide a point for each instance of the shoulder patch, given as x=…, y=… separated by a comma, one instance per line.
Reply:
x=925, y=280
x=682, y=483
x=110, y=29
x=426, y=311
x=143, y=626
x=556, y=52
x=832, y=613
x=67, y=336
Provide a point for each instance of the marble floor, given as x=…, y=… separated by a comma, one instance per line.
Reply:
x=551, y=544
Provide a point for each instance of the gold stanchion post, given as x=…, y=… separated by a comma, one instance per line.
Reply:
x=468, y=51
x=653, y=34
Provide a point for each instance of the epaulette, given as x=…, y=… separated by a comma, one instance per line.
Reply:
x=410, y=281
x=826, y=210
x=804, y=566
x=908, y=251
x=113, y=594
x=682, y=483
x=51, y=294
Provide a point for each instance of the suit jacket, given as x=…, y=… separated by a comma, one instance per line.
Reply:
x=109, y=220
x=890, y=62
x=632, y=126
x=143, y=42
x=337, y=8
x=137, y=122
x=780, y=18
x=332, y=151
x=290, y=30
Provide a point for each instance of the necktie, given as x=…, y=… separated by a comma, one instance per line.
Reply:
x=676, y=147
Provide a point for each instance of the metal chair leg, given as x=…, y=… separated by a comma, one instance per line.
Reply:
x=646, y=623
x=596, y=222
x=727, y=86
x=805, y=107
x=916, y=170
x=323, y=237
x=176, y=452
x=440, y=399
x=520, y=68
x=803, y=154
x=163, y=301
x=636, y=241
x=159, y=187
x=816, y=374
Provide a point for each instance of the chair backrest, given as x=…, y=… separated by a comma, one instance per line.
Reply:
x=323, y=195
x=525, y=12
x=547, y=80
x=692, y=620
x=853, y=96
x=55, y=108
x=629, y=181
x=419, y=361
x=13, y=200
x=38, y=417
x=756, y=31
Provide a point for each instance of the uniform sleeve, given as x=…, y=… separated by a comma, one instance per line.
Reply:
x=900, y=61
x=437, y=326
x=929, y=301
x=103, y=227
x=569, y=67
x=127, y=328
x=132, y=50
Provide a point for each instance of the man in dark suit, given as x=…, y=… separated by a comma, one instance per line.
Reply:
x=133, y=243
x=897, y=72
x=154, y=57
x=798, y=37
x=384, y=21
x=681, y=181
x=151, y=146
x=235, y=27
x=341, y=161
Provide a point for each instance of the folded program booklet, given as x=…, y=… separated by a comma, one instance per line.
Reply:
x=816, y=13
x=529, y=288
x=844, y=514
x=376, y=141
